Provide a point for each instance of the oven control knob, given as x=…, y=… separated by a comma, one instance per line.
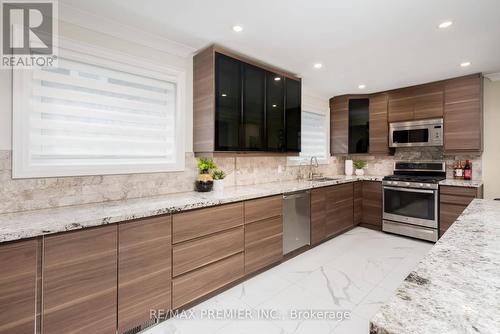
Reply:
x=420, y=184
x=428, y=185
x=407, y=183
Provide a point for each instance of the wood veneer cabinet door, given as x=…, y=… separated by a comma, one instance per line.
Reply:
x=452, y=202
x=379, y=128
x=340, y=209
x=79, y=282
x=18, y=277
x=372, y=203
x=318, y=215
x=401, y=105
x=263, y=243
x=144, y=270
x=263, y=208
x=358, y=202
x=339, y=125
x=429, y=101
x=463, y=114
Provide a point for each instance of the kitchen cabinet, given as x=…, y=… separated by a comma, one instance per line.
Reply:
x=243, y=107
x=416, y=103
x=379, y=128
x=144, y=270
x=332, y=211
x=372, y=204
x=275, y=116
x=263, y=233
x=358, y=202
x=359, y=130
x=18, y=286
x=80, y=281
x=452, y=202
x=339, y=125
x=208, y=251
x=463, y=115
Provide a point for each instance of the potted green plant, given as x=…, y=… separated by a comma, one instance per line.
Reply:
x=359, y=165
x=205, y=182
x=218, y=176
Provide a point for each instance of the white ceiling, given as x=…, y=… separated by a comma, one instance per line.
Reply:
x=384, y=44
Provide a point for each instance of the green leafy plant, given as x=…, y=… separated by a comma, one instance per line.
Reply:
x=205, y=165
x=359, y=164
x=218, y=174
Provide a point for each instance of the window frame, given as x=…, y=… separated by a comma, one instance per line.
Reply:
x=21, y=167
x=301, y=159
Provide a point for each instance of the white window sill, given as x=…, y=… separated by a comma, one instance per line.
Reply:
x=304, y=161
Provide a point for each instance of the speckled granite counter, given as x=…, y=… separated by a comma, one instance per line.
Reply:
x=456, y=287
x=461, y=183
x=21, y=225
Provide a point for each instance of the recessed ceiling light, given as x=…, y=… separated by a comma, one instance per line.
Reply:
x=238, y=28
x=445, y=24
x=277, y=79
x=465, y=64
x=362, y=86
x=318, y=65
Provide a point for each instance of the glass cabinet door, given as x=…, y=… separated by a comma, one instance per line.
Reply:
x=275, y=112
x=293, y=109
x=253, y=108
x=227, y=103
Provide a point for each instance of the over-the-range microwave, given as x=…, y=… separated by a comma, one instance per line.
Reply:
x=416, y=133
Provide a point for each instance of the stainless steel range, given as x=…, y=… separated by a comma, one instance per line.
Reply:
x=411, y=199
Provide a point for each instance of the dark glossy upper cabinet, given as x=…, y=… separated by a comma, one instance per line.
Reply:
x=293, y=109
x=275, y=115
x=242, y=106
x=359, y=120
x=254, y=93
x=227, y=103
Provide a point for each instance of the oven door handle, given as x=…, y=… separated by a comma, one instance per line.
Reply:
x=410, y=190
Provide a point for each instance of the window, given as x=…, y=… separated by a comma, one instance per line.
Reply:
x=96, y=115
x=314, y=138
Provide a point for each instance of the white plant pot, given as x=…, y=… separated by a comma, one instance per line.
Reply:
x=218, y=186
x=360, y=172
x=348, y=168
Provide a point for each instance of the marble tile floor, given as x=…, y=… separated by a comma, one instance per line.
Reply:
x=352, y=275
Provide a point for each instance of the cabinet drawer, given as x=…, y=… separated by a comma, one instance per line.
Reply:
x=197, y=223
x=318, y=215
x=458, y=191
x=197, y=253
x=457, y=200
x=257, y=231
x=196, y=284
x=263, y=208
x=263, y=253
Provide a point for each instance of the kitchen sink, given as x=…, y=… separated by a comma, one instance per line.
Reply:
x=324, y=179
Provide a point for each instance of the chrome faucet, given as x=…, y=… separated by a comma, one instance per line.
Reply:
x=313, y=164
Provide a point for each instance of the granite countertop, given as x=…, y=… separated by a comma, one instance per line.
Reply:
x=461, y=183
x=456, y=287
x=28, y=224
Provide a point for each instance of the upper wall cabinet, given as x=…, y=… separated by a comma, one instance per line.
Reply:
x=379, y=128
x=339, y=125
x=240, y=106
x=415, y=103
x=463, y=114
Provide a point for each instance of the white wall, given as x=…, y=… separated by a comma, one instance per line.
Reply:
x=491, y=155
x=102, y=40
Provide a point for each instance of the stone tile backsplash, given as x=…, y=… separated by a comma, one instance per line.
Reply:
x=33, y=194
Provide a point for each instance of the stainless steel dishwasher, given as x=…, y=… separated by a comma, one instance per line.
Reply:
x=296, y=220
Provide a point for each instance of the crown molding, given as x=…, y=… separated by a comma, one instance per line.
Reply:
x=125, y=32
x=493, y=76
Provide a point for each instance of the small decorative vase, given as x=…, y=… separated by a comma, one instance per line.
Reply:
x=348, y=168
x=204, y=183
x=360, y=172
x=219, y=186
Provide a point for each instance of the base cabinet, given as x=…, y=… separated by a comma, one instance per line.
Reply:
x=18, y=278
x=144, y=271
x=358, y=202
x=453, y=201
x=372, y=204
x=79, y=282
x=263, y=233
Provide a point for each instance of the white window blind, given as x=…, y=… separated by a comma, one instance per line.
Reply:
x=85, y=118
x=314, y=135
